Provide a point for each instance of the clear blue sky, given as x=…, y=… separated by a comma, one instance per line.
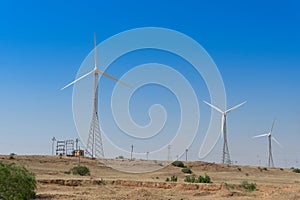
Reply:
x=255, y=45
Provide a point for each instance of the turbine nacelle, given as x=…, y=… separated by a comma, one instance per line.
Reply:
x=270, y=135
x=224, y=113
x=95, y=70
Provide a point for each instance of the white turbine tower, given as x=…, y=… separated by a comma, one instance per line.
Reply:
x=270, y=138
x=94, y=144
x=226, y=155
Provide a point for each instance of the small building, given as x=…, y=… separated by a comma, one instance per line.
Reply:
x=78, y=152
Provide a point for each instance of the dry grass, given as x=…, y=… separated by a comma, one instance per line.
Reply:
x=53, y=183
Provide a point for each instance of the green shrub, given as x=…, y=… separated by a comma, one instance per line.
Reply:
x=200, y=179
x=248, y=186
x=188, y=179
x=16, y=182
x=178, y=163
x=296, y=170
x=120, y=157
x=173, y=178
x=80, y=170
x=186, y=170
x=205, y=179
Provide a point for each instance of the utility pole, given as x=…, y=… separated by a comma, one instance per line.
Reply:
x=77, y=140
x=78, y=156
x=131, y=152
x=53, y=140
x=147, y=154
x=186, y=155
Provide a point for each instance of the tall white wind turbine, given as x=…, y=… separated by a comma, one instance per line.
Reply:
x=226, y=155
x=270, y=138
x=94, y=144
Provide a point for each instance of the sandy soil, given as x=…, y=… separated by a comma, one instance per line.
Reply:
x=107, y=183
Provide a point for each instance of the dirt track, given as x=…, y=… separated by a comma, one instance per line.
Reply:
x=107, y=183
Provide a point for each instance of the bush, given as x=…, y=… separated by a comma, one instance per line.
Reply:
x=16, y=182
x=120, y=157
x=190, y=179
x=296, y=170
x=248, y=186
x=200, y=179
x=172, y=179
x=187, y=170
x=80, y=170
x=205, y=179
x=178, y=163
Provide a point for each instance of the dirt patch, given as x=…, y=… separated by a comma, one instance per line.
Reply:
x=165, y=185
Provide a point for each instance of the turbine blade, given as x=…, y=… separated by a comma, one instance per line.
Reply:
x=214, y=107
x=275, y=140
x=235, y=107
x=113, y=78
x=262, y=135
x=95, y=51
x=77, y=80
x=273, y=125
x=223, y=125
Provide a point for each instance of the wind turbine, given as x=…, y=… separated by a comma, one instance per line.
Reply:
x=226, y=155
x=94, y=145
x=270, y=138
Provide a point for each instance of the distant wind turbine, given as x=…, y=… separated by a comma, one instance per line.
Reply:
x=226, y=155
x=270, y=138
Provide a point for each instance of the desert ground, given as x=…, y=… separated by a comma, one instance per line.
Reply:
x=108, y=183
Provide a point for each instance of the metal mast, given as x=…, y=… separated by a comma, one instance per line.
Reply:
x=226, y=155
x=53, y=141
x=169, y=152
x=94, y=145
x=270, y=163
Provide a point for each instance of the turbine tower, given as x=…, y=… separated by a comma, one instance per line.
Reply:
x=270, y=138
x=94, y=143
x=226, y=155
